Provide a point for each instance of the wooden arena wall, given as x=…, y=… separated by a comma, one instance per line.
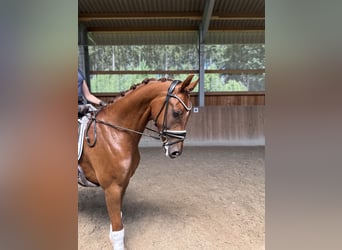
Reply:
x=226, y=119
x=227, y=125
x=216, y=98
x=231, y=98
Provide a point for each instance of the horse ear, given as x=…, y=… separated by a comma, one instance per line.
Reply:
x=187, y=85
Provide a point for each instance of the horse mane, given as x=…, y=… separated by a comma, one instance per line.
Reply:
x=138, y=85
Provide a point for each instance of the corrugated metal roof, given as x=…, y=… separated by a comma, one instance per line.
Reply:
x=241, y=7
x=170, y=22
x=144, y=24
x=131, y=6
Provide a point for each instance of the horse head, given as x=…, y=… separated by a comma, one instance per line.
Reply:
x=173, y=115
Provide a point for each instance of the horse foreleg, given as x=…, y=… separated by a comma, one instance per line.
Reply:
x=114, y=196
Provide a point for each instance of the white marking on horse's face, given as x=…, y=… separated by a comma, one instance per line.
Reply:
x=166, y=150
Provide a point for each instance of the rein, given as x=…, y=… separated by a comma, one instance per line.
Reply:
x=93, y=119
x=163, y=134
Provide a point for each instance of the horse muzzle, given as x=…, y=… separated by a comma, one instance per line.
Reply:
x=172, y=151
x=173, y=142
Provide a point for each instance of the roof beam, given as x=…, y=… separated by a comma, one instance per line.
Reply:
x=238, y=17
x=139, y=15
x=171, y=28
x=166, y=15
x=147, y=29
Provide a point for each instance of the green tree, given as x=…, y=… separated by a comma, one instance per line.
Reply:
x=177, y=57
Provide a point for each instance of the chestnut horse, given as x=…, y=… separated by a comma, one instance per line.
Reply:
x=111, y=154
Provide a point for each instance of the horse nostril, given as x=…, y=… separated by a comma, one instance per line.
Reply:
x=176, y=153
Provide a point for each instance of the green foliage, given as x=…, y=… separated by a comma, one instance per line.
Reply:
x=235, y=56
x=177, y=57
x=114, y=83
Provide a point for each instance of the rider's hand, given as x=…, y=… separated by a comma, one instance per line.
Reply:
x=102, y=103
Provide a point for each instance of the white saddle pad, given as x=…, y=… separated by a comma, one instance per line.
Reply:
x=82, y=124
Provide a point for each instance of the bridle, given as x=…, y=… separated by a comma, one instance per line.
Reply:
x=163, y=135
x=166, y=133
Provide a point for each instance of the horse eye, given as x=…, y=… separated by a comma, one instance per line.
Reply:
x=177, y=113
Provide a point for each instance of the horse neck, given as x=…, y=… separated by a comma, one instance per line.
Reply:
x=133, y=110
